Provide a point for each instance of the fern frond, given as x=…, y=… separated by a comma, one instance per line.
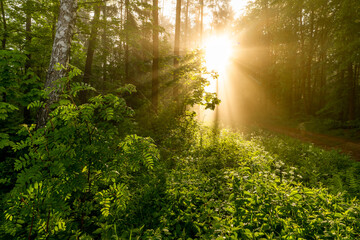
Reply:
x=80, y=86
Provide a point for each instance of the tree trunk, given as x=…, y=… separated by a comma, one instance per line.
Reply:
x=357, y=85
x=186, y=31
x=343, y=110
x=201, y=21
x=90, y=51
x=302, y=82
x=104, y=47
x=28, y=34
x=60, y=55
x=127, y=24
x=351, y=92
x=176, y=48
x=28, y=38
x=4, y=37
x=308, y=74
x=155, y=66
x=267, y=55
x=322, y=86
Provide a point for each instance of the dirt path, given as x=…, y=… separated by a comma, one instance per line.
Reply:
x=321, y=140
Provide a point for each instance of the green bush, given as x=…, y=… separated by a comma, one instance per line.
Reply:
x=78, y=173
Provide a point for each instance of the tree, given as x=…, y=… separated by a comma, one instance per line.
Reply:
x=176, y=48
x=104, y=41
x=28, y=31
x=201, y=21
x=91, y=50
x=127, y=40
x=59, y=56
x=186, y=31
x=4, y=34
x=155, y=66
x=311, y=59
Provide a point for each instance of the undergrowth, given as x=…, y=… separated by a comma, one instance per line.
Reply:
x=313, y=166
x=234, y=189
x=91, y=174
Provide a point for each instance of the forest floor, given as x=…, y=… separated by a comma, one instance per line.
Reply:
x=328, y=142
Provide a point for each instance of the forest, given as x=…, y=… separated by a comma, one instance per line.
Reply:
x=179, y=119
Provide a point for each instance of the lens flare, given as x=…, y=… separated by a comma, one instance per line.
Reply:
x=217, y=53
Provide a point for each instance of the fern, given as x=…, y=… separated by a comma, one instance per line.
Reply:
x=128, y=88
x=76, y=87
x=6, y=109
x=113, y=200
x=139, y=152
x=36, y=104
x=5, y=140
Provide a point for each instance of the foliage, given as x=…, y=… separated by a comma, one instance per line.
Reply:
x=83, y=177
x=18, y=87
x=194, y=78
x=75, y=172
x=312, y=165
x=234, y=189
x=93, y=173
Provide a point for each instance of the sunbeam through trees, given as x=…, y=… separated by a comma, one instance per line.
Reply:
x=180, y=119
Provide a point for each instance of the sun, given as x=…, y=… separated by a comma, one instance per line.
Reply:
x=218, y=51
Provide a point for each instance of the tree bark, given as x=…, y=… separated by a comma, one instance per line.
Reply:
x=351, y=92
x=155, y=66
x=344, y=109
x=176, y=48
x=60, y=55
x=28, y=37
x=127, y=24
x=104, y=47
x=201, y=21
x=186, y=31
x=4, y=37
x=90, y=51
x=308, y=68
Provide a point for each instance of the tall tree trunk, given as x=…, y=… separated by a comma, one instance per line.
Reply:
x=322, y=86
x=4, y=36
x=28, y=34
x=267, y=55
x=127, y=24
x=351, y=92
x=201, y=21
x=302, y=82
x=344, y=109
x=90, y=51
x=28, y=38
x=176, y=48
x=155, y=66
x=357, y=85
x=186, y=31
x=60, y=55
x=104, y=46
x=121, y=44
x=308, y=74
